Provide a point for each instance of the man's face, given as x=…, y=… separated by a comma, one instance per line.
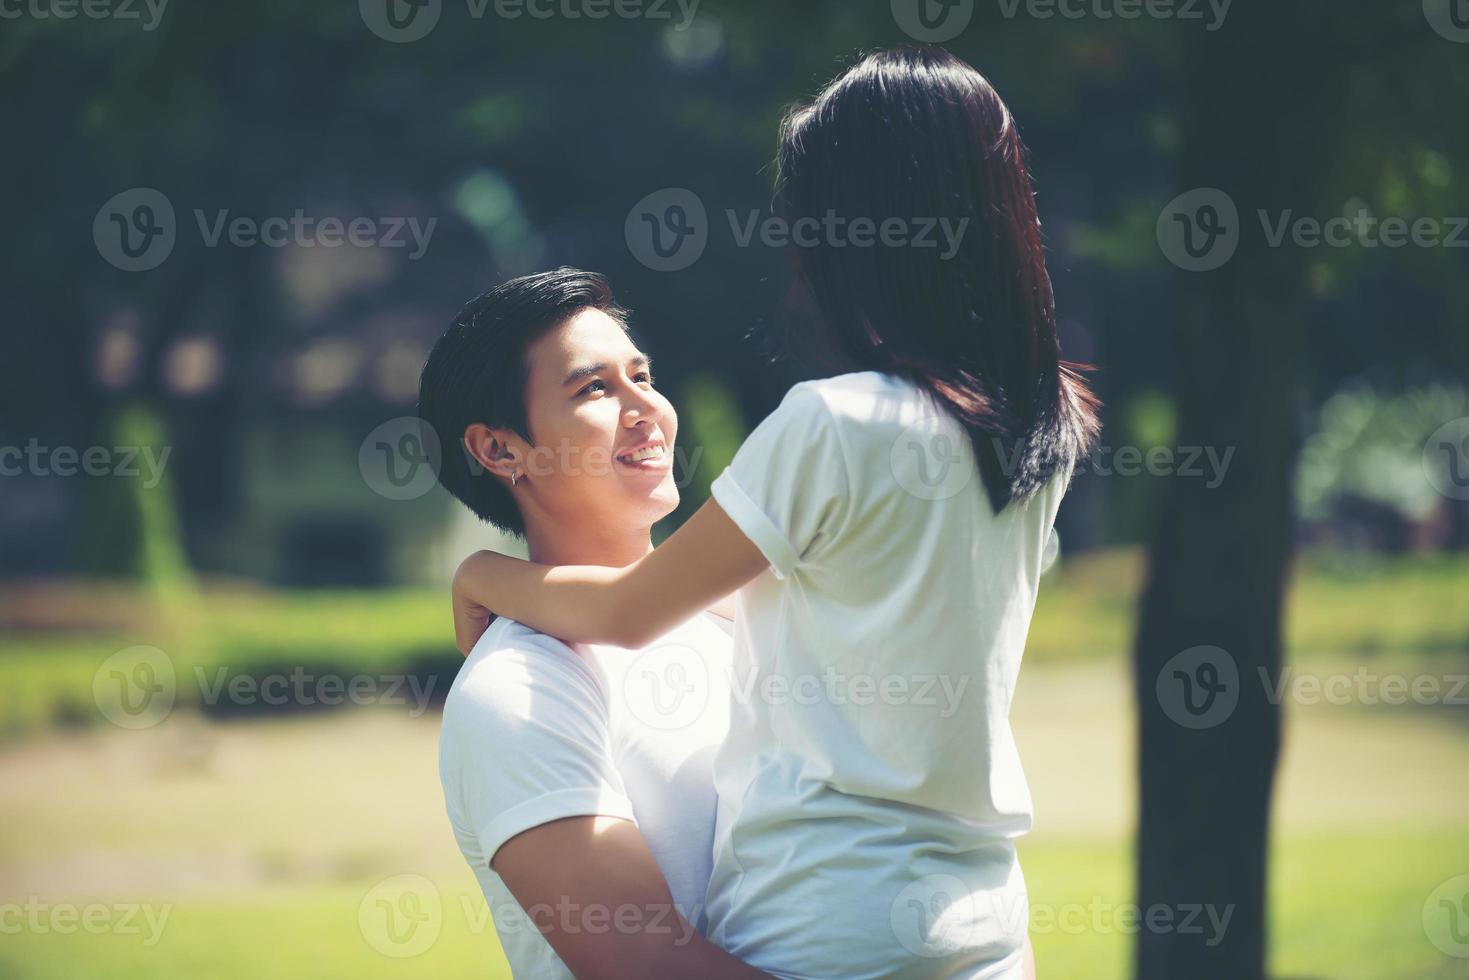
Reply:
x=591, y=406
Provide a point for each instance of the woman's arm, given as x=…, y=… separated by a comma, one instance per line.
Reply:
x=723, y=608
x=702, y=562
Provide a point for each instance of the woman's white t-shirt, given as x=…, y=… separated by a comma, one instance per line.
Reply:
x=869, y=789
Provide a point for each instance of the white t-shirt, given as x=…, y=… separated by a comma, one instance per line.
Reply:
x=869, y=789
x=535, y=730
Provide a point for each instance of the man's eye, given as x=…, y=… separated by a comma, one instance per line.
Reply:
x=594, y=386
x=644, y=376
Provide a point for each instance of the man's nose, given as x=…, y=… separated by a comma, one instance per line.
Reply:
x=642, y=406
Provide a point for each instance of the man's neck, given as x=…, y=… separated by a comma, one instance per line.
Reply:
x=582, y=546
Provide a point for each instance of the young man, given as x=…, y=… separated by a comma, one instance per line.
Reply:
x=577, y=778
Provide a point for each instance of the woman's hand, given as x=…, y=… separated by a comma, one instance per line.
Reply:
x=471, y=618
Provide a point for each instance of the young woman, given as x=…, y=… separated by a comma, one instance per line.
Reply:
x=883, y=531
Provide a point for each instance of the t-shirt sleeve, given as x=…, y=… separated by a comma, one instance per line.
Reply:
x=527, y=740
x=788, y=486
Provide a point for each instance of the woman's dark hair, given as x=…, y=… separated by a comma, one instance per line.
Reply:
x=477, y=373
x=918, y=135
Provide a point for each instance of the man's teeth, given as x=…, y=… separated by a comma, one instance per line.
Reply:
x=651, y=452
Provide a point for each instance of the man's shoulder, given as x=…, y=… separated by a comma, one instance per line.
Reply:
x=509, y=636
x=525, y=718
x=513, y=668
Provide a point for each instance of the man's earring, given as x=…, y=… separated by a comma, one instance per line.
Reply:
x=512, y=478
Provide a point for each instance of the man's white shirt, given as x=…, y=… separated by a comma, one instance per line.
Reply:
x=537, y=730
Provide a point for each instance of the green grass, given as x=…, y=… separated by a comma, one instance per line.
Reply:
x=267, y=838
x=53, y=639
x=1381, y=607
x=265, y=843
x=1367, y=606
x=295, y=934
x=264, y=839
x=49, y=672
x=1345, y=907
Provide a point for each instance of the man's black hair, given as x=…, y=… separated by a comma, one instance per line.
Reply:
x=477, y=372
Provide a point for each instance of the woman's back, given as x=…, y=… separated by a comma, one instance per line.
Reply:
x=870, y=788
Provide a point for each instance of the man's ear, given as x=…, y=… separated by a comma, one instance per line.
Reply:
x=491, y=449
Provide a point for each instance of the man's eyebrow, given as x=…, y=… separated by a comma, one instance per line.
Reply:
x=578, y=374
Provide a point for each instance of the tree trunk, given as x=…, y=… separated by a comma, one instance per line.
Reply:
x=1209, y=644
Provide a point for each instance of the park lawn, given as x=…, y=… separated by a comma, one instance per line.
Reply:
x=287, y=933
x=1367, y=606
x=269, y=839
x=283, y=888
x=1345, y=907
x=49, y=672
x=265, y=842
x=1372, y=609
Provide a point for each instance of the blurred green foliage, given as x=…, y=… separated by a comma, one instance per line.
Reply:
x=1368, y=445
